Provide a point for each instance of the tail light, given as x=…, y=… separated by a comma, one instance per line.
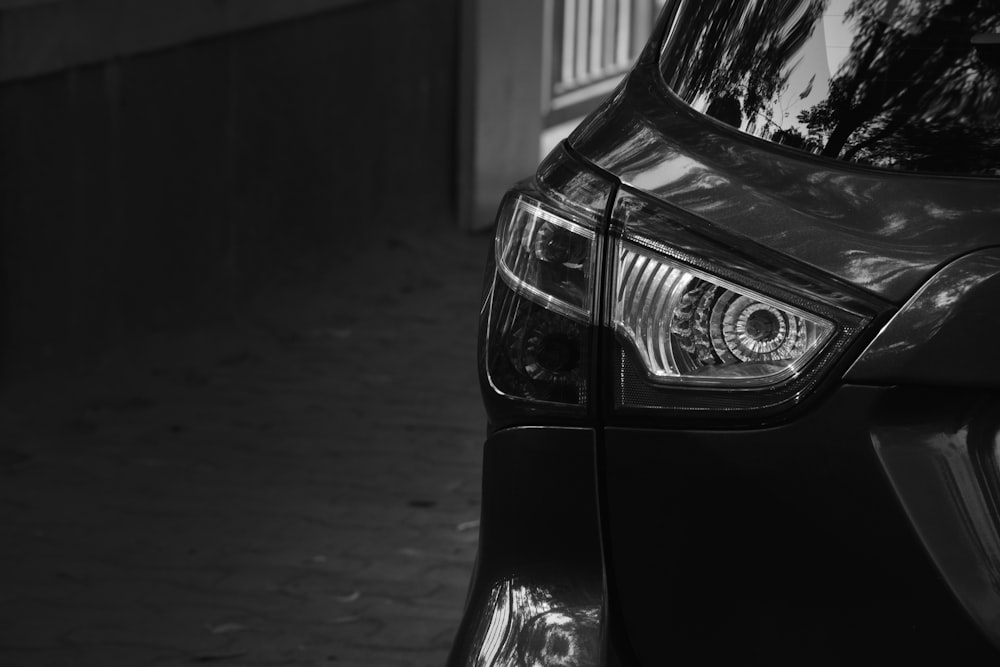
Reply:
x=709, y=324
x=702, y=322
x=539, y=331
x=687, y=326
x=547, y=258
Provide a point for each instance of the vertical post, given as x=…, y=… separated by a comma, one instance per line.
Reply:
x=500, y=107
x=623, y=40
x=596, y=38
x=582, y=39
x=610, y=29
x=569, y=43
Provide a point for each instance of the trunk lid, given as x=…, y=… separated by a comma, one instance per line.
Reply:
x=883, y=231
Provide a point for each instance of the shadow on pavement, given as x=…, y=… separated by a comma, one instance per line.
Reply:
x=298, y=487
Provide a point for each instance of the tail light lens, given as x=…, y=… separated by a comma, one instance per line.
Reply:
x=703, y=323
x=547, y=258
x=541, y=310
x=542, y=304
x=709, y=324
x=687, y=326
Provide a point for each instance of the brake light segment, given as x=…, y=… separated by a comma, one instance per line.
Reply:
x=687, y=326
x=543, y=300
x=547, y=258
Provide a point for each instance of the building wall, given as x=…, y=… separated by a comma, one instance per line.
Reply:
x=147, y=189
x=500, y=102
x=43, y=36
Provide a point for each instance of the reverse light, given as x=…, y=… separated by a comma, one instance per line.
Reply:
x=687, y=326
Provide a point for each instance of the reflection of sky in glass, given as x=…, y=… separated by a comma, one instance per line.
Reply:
x=913, y=95
x=837, y=34
x=809, y=75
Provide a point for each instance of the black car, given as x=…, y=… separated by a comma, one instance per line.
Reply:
x=740, y=353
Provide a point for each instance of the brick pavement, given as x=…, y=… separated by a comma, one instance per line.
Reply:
x=296, y=487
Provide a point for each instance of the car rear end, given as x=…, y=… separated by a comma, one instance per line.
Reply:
x=738, y=361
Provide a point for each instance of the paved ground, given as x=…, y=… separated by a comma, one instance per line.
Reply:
x=299, y=487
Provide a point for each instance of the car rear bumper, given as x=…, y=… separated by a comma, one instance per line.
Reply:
x=781, y=544
x=786, y=544
x=539, y=572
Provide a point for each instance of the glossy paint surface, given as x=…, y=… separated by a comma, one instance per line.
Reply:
x=782, y=545
x=781, y=541
x=538, y=583
x=883, y=231
x=944, y=333
x=939, y=449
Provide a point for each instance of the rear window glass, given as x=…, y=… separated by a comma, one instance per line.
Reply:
x=910, y=85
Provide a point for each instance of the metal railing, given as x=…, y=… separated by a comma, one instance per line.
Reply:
x=590, y=44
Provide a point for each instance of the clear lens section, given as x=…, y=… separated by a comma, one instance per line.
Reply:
x=546, y=258
x=690, y=327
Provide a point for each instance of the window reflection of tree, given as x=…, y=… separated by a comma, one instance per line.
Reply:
x=914, y=92
x=738, y=49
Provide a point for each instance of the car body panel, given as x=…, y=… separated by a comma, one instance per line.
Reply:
x=757, y=545
x=856, y=523
x=539, y=540
x=796, y=531
x=939, y=449
x=883, y=231
x=942, y=335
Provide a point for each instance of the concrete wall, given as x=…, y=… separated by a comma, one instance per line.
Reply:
x=151, y=189
x=44, y=36
x=501, y=102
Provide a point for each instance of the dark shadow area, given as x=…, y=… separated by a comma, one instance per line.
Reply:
x=239, y=413
x=162, y=189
